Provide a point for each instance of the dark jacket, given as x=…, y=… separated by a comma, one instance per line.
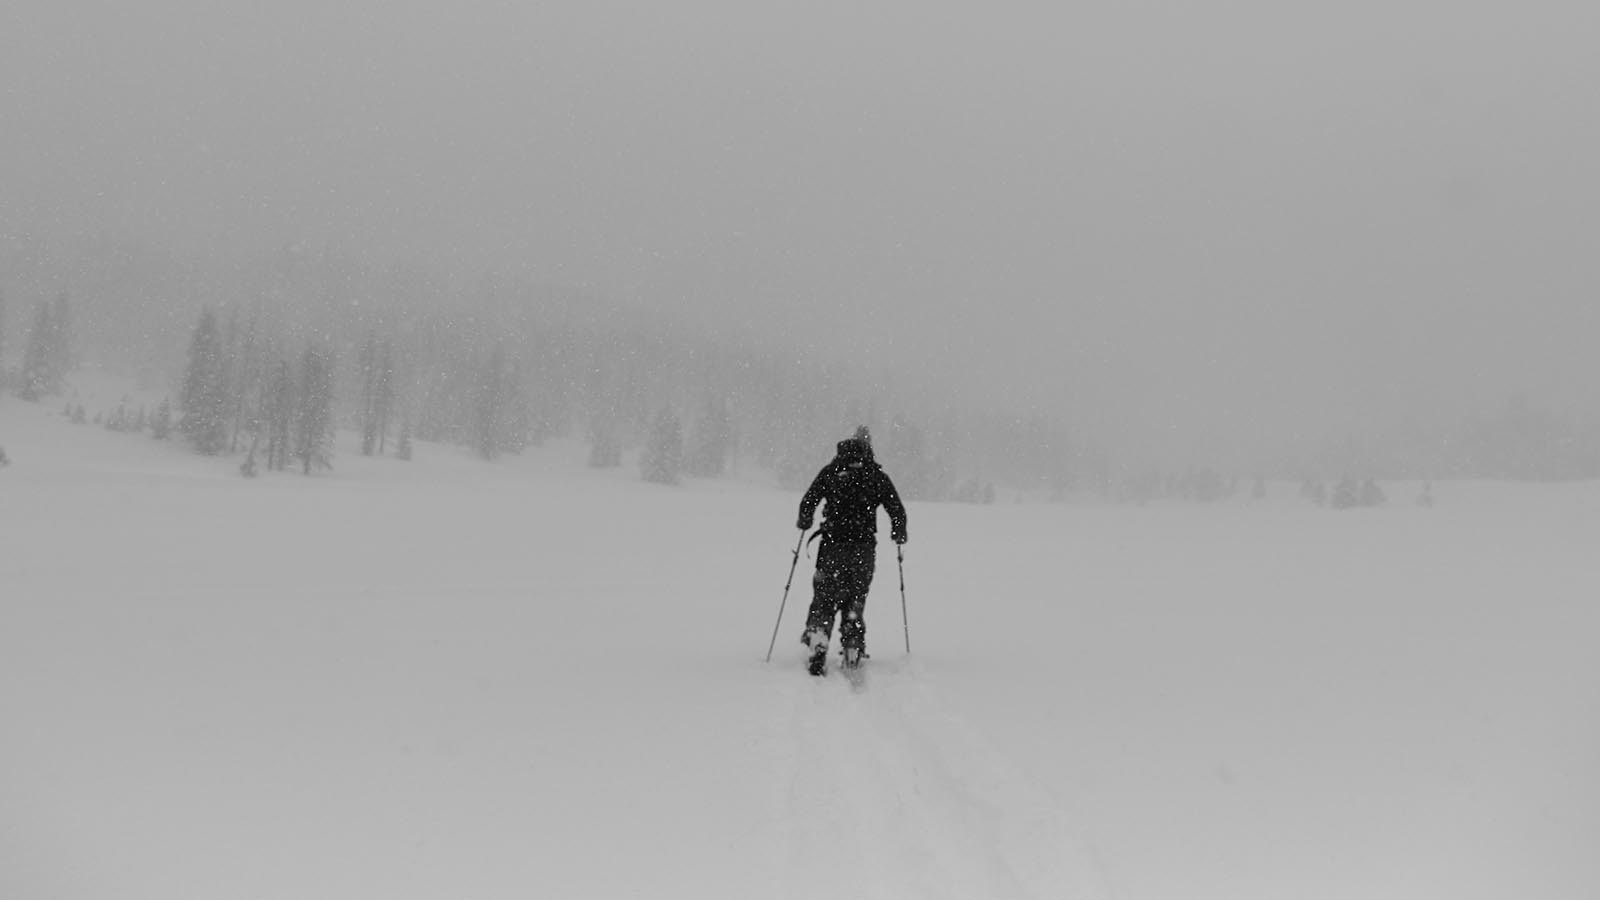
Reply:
x=854, y=486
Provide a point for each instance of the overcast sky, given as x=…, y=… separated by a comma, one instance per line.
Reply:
x=1188, y=218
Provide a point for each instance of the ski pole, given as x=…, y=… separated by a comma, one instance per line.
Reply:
x=778, y=624
x=900, y=554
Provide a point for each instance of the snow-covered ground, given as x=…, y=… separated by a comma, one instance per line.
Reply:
x=457, y=679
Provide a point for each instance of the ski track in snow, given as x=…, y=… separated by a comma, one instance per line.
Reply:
x=893, y=795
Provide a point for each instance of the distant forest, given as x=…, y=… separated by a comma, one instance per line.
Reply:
x=267, y=361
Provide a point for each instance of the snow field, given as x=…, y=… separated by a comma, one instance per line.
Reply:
x=452, y=678
x=893, y=795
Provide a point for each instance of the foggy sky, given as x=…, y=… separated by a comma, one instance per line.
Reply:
x=1202, y=223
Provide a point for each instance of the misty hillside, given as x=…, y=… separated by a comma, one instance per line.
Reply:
x=507, y=365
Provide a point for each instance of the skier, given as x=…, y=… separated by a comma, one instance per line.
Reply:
x=854, y=486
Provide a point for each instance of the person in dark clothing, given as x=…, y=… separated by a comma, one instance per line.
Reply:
x=853, y=486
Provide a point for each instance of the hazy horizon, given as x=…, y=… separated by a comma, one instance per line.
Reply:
x=1236, y=226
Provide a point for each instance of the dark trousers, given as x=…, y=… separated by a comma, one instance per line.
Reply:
x=839, y=588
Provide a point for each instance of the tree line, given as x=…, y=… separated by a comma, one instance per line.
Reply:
x=319, y=344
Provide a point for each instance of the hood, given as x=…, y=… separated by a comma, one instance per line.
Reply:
x=852, y=449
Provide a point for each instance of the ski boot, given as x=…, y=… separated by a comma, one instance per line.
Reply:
x=818, y=663
x=853, y=657
x=818, y=642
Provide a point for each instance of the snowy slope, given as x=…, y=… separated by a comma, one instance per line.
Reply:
x=452, y=678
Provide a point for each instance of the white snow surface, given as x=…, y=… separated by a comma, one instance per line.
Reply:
x=458, y=679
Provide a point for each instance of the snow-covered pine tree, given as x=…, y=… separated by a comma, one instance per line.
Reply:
x=1345, y=494
x=314, y=416
x=1371, y=494
x=663, y=458
x=204, y=398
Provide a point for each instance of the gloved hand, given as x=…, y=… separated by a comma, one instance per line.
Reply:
x=899, y=537
x=802, y=524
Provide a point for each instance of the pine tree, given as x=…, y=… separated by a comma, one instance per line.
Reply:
x=248, y=467
x=369, y=364
x=663, y=458
x=161, y=422
x=605, y=449
x=48, y=357
x=489, y=422
x=906, y=454
x=712, y=441
x=314, y=416
x=245, y=370
x=376, y=363
x=1345, y=493
x=278, y=404
x=204, y=399
x=63, y=357
x=385, y=392
x=38, y=367
x=1371, y=494
x=517, y=419
x=402, y=450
